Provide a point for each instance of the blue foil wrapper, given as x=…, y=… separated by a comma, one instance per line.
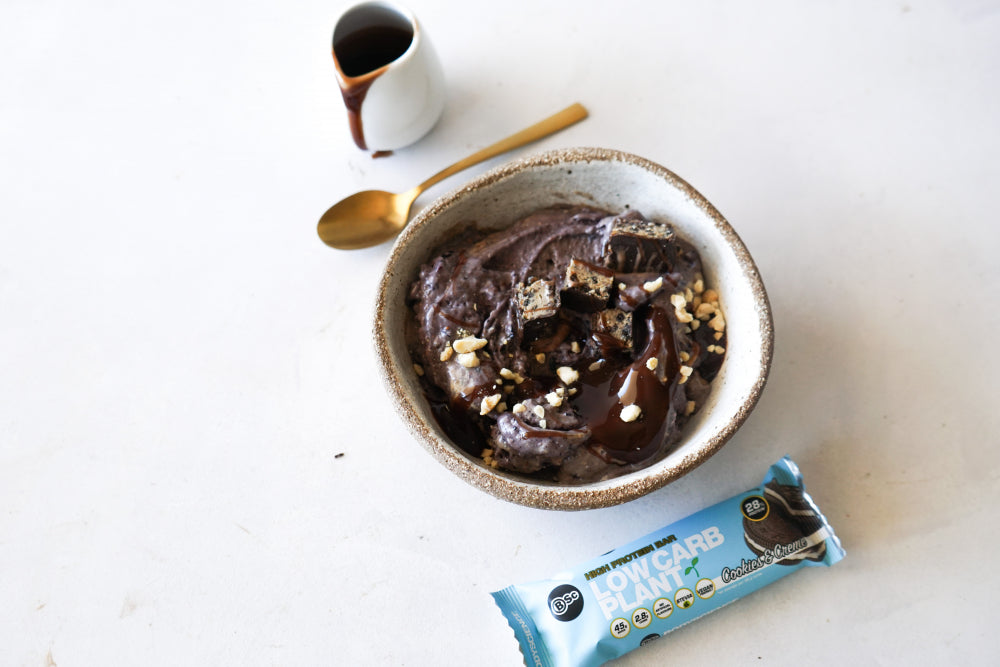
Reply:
x=608, y=606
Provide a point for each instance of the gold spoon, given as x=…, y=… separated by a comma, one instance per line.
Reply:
x=368, y=218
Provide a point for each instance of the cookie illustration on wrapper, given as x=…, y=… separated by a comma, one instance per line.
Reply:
x=780, y=517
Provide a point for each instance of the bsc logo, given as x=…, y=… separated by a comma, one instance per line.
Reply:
x=565, y=602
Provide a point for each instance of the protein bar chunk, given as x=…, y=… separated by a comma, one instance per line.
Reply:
x=537, y=308
x=614, y=323
x=587, y=287
x=636, y=244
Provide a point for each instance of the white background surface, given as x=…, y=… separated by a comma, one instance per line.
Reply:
x=181, y=359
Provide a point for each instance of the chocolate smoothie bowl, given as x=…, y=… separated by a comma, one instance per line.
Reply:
x=572, y=330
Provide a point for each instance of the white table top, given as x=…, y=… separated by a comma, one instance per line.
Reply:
x=182, y=361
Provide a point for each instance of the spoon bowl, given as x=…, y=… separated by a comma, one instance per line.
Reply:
x=372, y=217
x=366, y=218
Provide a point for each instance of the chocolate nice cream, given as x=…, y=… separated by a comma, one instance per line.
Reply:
x=572, y=346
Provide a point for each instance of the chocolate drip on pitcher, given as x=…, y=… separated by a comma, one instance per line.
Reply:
x=361, y=57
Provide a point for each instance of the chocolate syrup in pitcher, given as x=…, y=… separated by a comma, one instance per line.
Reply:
x=360, y=56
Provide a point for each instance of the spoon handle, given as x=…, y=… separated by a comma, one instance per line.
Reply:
x=568, y=116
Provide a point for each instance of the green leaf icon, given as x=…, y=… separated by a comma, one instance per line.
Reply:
x=688, y=569
x=694, y=561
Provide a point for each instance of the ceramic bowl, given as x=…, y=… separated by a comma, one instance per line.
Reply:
x=611, y=180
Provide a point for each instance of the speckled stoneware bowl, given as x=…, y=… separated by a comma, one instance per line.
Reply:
x=610, y=180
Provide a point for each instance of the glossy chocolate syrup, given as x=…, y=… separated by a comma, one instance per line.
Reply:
x=361, y=57
x=601, y=405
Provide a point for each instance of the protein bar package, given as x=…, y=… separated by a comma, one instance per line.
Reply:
x=630, y=596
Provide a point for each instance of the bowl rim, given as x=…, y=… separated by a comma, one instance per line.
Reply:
x=534, y=493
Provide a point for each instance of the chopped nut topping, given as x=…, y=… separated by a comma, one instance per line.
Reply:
x=501, y=407
x=447, y=352
x=652, y=363
x=560, y=391
x=710, y=296
x=489, y=403
x=686, y=370
x=717, y=322
x=704, y=311
x=508, y=374
x=630, y=413
x=679, y=302
x=695, y=324
x=596, y=365
x=567, y=375
x=508, y=388
x=554, y=399
x=468, y=359
x=488, y=458
x=468, y=344
x=542, y=423
x=717, y=335
x=572, y=391
x=684, y=356
x=689, y=408
x=688, y=294
x=418, y=369
x=519, y=408
x=622, y=286
x=539, y=411
x=540, y=357
x=575, y=347
x=653, y=285
x=699, y=284
x=719, y=349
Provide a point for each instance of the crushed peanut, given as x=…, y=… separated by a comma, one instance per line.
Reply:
x=468, y=344
x=540, y=357
x=468, y=359
x=508, y=374
x=542, y=423
x=689, y=408
x=717, y=322
x=704, y=311
x=574, y=347
x=710, y=296
x=418, y=369
x=489, y=403
x=679, y=303
x=684, y=356
x=699, y=284
x=596, y=365
x=539, y=411
x=446, y=353
x=653, y=285
x=652, y=363
x=519, y=408
x=554, y=399
x=567, y=375
x=630, y=413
